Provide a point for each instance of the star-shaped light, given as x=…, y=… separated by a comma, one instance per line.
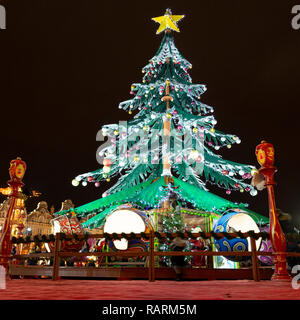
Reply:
x=168, y=21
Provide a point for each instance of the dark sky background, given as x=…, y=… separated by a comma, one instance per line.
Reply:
x=66, y=65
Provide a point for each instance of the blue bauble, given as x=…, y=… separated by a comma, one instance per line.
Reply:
x=224, y=224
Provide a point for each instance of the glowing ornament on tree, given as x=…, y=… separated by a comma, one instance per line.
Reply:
x=84, y=183
x=253, y=192
x=106, y=169
x=75, y=182
x=178, y=159
x=199, y=159
x=194, y=154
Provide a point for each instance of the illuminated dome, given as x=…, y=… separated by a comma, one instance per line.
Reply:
x=124, y=220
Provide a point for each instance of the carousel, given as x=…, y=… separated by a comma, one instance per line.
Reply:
x=125, y=213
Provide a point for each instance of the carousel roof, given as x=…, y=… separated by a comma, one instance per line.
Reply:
x=149, y=194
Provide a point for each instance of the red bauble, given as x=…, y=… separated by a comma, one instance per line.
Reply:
x=106, y=162
x=90, y=179
x=199, y=159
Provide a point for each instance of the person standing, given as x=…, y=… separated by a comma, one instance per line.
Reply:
x=178, y=244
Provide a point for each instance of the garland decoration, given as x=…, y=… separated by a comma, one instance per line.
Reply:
x=158, y=235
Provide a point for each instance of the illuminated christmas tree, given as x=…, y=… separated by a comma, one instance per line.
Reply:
x=169, y=147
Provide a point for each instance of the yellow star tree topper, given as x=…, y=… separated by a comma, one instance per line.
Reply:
x=168, y=21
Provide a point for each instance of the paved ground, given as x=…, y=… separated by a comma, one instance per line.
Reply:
x=67, y=289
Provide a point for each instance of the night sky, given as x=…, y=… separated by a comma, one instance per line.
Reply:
x=66, y=65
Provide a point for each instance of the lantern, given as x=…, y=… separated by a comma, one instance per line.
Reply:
x=17, y=170
x=265, y=154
